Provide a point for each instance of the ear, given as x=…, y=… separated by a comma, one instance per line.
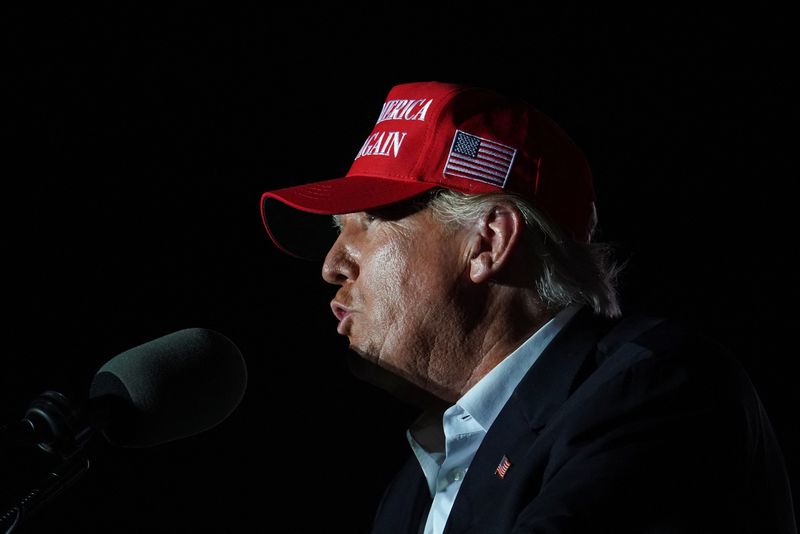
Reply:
x=496, y=235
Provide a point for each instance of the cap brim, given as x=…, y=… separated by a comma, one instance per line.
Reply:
x=297, y=218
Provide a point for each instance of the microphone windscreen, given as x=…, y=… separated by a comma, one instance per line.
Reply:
x=170, y=388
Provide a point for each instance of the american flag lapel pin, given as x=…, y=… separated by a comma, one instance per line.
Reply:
x=502, y=468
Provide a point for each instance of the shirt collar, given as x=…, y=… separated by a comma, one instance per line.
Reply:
x=486, y=398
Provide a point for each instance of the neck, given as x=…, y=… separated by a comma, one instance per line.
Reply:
x=503, y=339
x=510, y=317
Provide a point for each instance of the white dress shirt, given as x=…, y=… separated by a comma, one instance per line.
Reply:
x=466, y=422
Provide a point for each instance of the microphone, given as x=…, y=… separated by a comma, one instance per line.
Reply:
x=169, y=388
x=172, y=387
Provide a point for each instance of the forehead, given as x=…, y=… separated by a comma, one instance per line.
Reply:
x=340, y=220
x=392, y=212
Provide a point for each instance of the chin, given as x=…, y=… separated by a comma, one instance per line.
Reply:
x=374, y=357
x=366, y=355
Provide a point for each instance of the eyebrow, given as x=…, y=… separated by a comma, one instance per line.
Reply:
x=337, y=222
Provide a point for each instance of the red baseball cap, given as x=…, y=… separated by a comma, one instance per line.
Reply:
x=433, y=134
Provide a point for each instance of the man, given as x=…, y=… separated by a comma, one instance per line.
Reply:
x=465, y=267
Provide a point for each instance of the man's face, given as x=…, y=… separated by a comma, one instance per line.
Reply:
x=403, y=278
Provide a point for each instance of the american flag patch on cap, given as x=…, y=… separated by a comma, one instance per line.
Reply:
x=479, y=159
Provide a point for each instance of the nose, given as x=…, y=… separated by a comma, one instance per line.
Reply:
x=340, y=264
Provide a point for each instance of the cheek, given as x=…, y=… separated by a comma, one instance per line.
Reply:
x=405, y=286
x=411, y=286
x=388, y=280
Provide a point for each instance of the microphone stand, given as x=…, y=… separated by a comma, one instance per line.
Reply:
x=54, y=425
x=50, y=486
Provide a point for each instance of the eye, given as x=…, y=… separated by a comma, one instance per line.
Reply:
x=370, y=217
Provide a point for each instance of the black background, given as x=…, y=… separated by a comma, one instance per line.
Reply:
x=141, y=139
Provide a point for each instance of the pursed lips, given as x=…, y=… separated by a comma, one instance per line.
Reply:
x=342, y=313
x=339, y=310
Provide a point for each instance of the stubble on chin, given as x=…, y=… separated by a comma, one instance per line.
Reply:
x=362, y=353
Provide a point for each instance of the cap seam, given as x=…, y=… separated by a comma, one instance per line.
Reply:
x=423, y=153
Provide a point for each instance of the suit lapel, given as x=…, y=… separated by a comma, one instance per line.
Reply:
x=544, y=388
x=406, y=503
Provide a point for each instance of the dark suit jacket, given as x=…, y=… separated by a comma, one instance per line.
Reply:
x=620, y=426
